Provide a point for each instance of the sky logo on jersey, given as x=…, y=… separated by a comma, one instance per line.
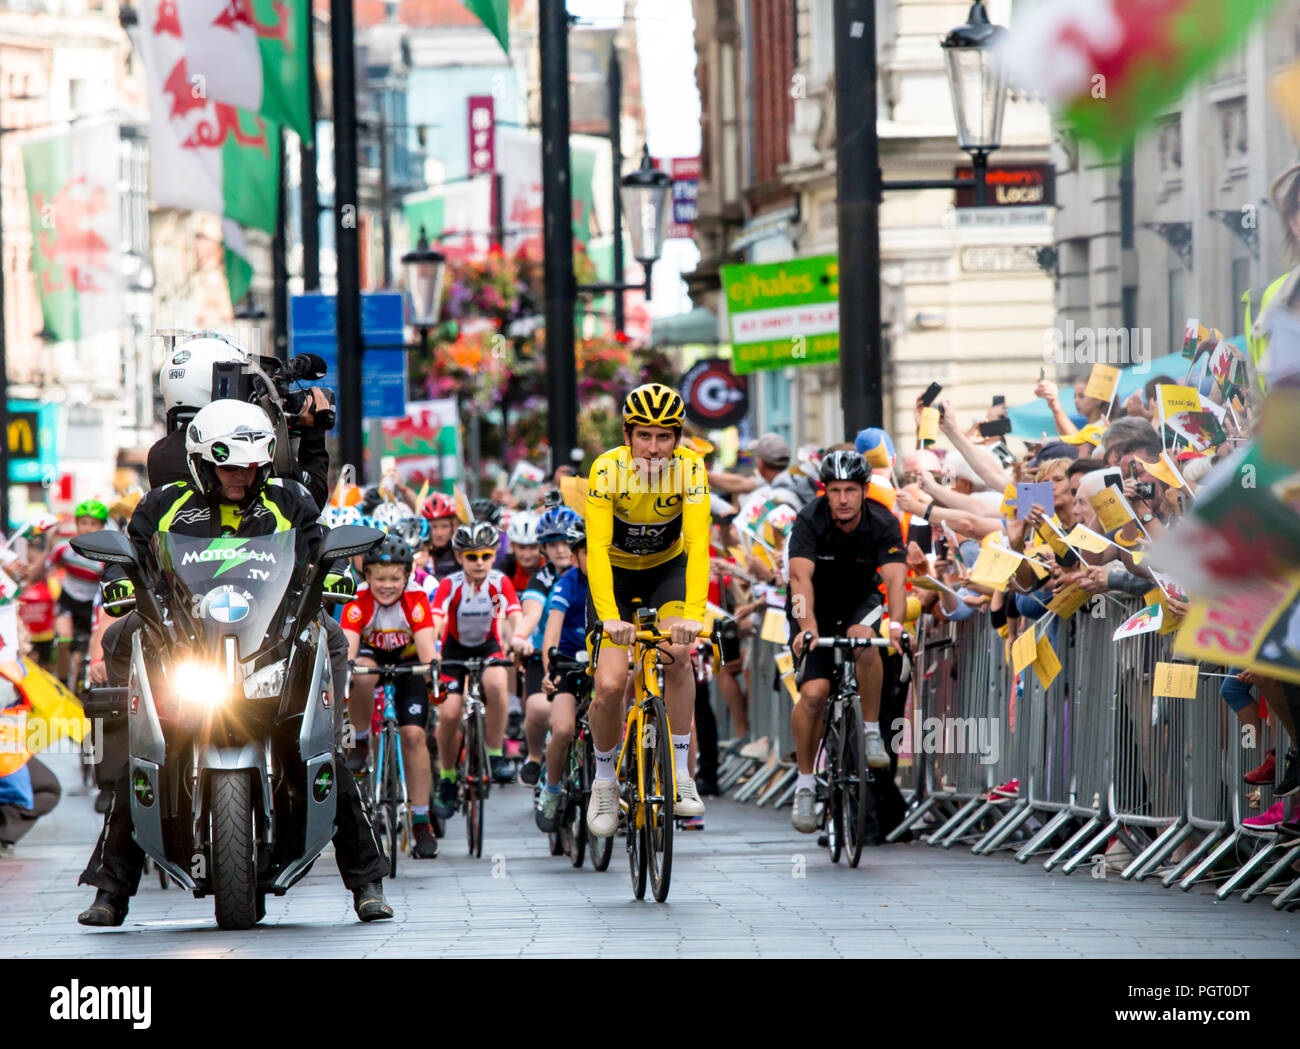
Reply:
x=226, y=605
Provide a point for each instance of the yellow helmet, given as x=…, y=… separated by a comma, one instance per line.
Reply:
x=654, y=404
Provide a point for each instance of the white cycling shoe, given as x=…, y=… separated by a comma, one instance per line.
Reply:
x=602, y=810
x=688, y=803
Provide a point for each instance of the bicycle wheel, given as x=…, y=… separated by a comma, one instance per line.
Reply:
x=476, y=779
x=657, y=757
x=392, y=795
x=577, y=791
x=854, y=777
x=828, y=789
x=637, y=858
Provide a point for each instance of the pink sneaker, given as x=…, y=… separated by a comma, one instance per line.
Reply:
x=1006, y=792
x=1269, y=820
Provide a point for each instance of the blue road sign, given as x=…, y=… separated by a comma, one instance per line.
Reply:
x=313, y=321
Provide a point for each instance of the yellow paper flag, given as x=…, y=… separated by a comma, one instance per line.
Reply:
x=1102, y=382
x=775, y=628
x=994, y=567
x=1082, y=537
x=929, y=427
x=574, y=491
x=1162, y=470
x=1111, y=512
x=1046, y=665
x=1285, y=89
x=1175, y=399
x=1177, y=680
x=1024, y=650
x=1068, y=601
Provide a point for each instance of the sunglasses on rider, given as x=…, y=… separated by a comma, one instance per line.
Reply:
x=481, y=555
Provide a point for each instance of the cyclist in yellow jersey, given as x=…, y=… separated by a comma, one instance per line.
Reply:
x=647, y=546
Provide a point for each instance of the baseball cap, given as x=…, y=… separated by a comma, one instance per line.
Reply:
x=773, y=449
x=1055, y=450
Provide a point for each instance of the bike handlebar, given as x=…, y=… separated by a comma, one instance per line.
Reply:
x=475, y=664
x=396, y=670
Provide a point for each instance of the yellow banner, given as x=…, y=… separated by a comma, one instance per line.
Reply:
x=1247, y=630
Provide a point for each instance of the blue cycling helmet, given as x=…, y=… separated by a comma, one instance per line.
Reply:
x=555, y=523
x=875, y=446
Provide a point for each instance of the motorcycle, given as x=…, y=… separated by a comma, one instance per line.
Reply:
x=231, y=717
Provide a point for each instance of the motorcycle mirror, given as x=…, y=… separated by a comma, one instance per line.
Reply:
x=110, y=547
x=348, y=541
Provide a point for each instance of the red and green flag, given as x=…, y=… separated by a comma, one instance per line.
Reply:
x=250, y=54
x=1108, y=67
x=75, y=220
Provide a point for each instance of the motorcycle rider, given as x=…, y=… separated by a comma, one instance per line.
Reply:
x=230, y=449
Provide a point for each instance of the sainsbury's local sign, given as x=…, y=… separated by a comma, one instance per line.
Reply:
x=783, y=313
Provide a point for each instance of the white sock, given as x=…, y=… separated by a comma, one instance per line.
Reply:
x=805, y=781
x=872, y=726
x=605, y=764
x=681, y=750
x=361, y=737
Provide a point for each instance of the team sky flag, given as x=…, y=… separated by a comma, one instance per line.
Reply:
x=495, y=16
x=250, y=54
x=72, y=194
x=1107, y=67
x=206, y=156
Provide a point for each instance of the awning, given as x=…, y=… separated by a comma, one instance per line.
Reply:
x=700, y=325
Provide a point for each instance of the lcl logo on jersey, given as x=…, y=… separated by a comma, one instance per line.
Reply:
x=667, y=505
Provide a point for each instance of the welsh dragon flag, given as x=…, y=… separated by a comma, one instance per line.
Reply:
x=76, y=238
x=495, y=15
x=251, y=54
x=239, y=270
x=1109, y=66
x=206, y=156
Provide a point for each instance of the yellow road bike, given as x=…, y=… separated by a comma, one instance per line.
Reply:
x=646, y=778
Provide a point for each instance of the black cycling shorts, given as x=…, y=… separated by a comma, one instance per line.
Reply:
x=453, y=678
x=573, y=682
x=412, y=690
x=532, y=675
x=82, y=612
x=662, y=587
x=820, y=663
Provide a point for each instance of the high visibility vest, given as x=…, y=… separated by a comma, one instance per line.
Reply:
x=13, y=736
x=1256, y=302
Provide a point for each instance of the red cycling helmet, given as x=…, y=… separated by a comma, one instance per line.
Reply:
x=438, y=506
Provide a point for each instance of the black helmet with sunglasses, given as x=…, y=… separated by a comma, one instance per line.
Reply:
x=477, y=535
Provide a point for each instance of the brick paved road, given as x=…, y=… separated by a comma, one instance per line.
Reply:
x=734, y=893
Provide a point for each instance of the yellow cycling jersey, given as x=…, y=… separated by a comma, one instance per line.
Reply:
x=640, y=515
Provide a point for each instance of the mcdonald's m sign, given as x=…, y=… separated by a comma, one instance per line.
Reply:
x=23, y=433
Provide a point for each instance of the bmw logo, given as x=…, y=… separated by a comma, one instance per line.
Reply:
x=226, y=604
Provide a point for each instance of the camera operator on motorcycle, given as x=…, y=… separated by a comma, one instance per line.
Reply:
x=230, y=448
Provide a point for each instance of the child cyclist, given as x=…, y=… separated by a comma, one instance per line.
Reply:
x=391, y=622
x=475, y=612
x=566, y=626
x=73, y=611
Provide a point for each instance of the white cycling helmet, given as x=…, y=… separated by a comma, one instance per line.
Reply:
x=522, y=529
x=386, y=515
x=186, y=377
x=337, y=516
x=229, y=433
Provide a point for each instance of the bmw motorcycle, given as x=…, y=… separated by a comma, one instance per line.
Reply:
x=231, y=714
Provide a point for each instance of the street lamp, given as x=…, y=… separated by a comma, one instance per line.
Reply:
x=645, y=202
x=979, y=95
x=978, y=83
x=425, y=270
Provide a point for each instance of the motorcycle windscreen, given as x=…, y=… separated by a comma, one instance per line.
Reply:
x=232, y=586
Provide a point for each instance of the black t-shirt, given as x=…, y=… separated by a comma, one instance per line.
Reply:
x=846, y=564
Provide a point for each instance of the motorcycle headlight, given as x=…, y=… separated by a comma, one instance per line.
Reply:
x=199, y=685
x=268, y=682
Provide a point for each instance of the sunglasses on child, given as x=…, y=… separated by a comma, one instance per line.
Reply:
x=480, y=555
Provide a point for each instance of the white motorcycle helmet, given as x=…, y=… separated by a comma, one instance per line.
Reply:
x=522, y=529
x=229, y=433
x=186, y=377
